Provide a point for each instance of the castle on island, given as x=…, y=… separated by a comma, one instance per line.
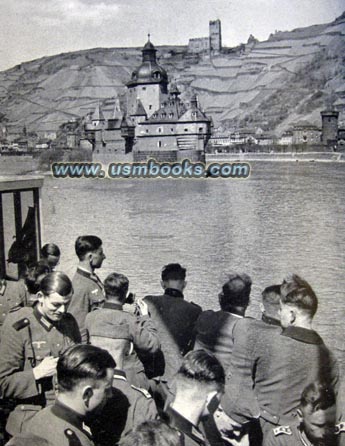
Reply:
x=158, y=124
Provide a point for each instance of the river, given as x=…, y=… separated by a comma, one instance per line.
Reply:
x=286, y=217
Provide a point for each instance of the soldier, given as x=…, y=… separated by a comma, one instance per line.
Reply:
x=143, y=333
x=50, y=253
x=84, y=377
x=88, y=287
x=33, y=339
x=199, y=385
x=270, y=367
x=129, y=405
x=316, y=421
x=175, y=321
x=214, y=329
x=153, y=433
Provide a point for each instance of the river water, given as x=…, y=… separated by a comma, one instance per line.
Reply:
x=286, y=217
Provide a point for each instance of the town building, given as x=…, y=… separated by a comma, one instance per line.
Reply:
x=303, y=132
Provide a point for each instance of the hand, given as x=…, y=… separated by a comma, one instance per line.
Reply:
x=237, y=440
x=46, y=368
x=142, y=307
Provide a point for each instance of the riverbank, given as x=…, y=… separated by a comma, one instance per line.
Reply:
x=293, y=156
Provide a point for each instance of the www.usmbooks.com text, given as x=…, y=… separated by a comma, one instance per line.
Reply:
x=151, y=169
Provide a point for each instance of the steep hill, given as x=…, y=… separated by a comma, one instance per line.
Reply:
x=291, y=76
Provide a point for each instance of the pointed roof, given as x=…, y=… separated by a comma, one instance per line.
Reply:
x=117, y=113
x=140, y=110
x=98, y=114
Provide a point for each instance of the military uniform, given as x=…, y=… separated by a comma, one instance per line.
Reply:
x=12, y=295
x=175, y=321
x=269, y=370
x=28, y=338
x=128, y=407
x=293, y=436
x=88, y=294
x=142, y=333
x=61, y=426
x=214, y=334
x=190, y=434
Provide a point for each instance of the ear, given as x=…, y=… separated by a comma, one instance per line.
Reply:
x=184, y=284
x=293, y=316
x=87, y=395
x=262, y=308
x=163, y=284
x=299, y=415
x=40, y=297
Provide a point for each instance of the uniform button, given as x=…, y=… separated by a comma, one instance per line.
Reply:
x=38, y=357
x=58, y=345
x=22, y=407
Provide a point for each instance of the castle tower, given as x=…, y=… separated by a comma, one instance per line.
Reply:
x=215, y=36
x=329, y=126
x=149, y=83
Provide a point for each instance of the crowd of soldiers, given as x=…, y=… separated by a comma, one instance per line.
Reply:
x=84, y=363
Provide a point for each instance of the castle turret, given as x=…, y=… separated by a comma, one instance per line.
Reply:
x=329, y=126
x=215, y=36
x=149, y=83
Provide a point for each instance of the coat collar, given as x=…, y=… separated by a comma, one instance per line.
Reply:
x=172, y=292
x=303, y=335
x=112, y=306
x=183, y=425
x=67, y=414
x=270, y=320
x=46, y=324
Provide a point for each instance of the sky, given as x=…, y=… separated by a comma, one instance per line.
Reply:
x=30, y=29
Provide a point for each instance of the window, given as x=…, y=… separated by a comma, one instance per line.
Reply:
x=200, y=129
x=171, y=115
x=172, y=129
x=186, y=130
x=159, y=130
x=143, y=88
x=159, y=144
x=150, y=107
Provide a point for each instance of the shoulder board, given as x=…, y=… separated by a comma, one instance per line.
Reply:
x=282, y=430
x=340, y=428
x=144, y=392
x=73, y=440
x=3, y=285
x=21, y=324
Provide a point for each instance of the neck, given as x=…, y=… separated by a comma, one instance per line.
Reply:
x=86, y=265
x=72, y=403
x=114, y=300
x=304, y=323
x=191, y=410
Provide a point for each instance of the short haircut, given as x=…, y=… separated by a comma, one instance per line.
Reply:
x=291, y=282
x=318, y=396
x=271, y=295
x=34, y=271
x=202, y=367
x=116, y=285
x=56, y=282
x=302, y=297
x=85, y=244
x=152, y=433
x=235, y=291
x=82, y=362
x=50, y=249
x=173, y=271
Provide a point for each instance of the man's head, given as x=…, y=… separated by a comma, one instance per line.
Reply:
x=51, y=254
x=298, y=303
x=84, y=377
x=200, y=380
x=317, y=414
x=89, y=250
x=271, y=301
x=173, y=276
x=235, y=293
x=152, y=433
x=116, y=286
x=54, y=295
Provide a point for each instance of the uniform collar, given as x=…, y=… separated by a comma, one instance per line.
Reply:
x=303, y=335
x=303, y=437
x=60, y=410
x=172, y=292
x=270, y=320
x=46, y=324
x=112, y=306
x=177, y=421
x=83, y=272
x=120, y=374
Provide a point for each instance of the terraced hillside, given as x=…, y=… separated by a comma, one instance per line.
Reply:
x=270, y=84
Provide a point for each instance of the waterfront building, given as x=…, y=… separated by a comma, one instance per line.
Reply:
x=304, y=132
x=329, y=126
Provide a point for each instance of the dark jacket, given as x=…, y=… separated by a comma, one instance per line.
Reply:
x=175, y=321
